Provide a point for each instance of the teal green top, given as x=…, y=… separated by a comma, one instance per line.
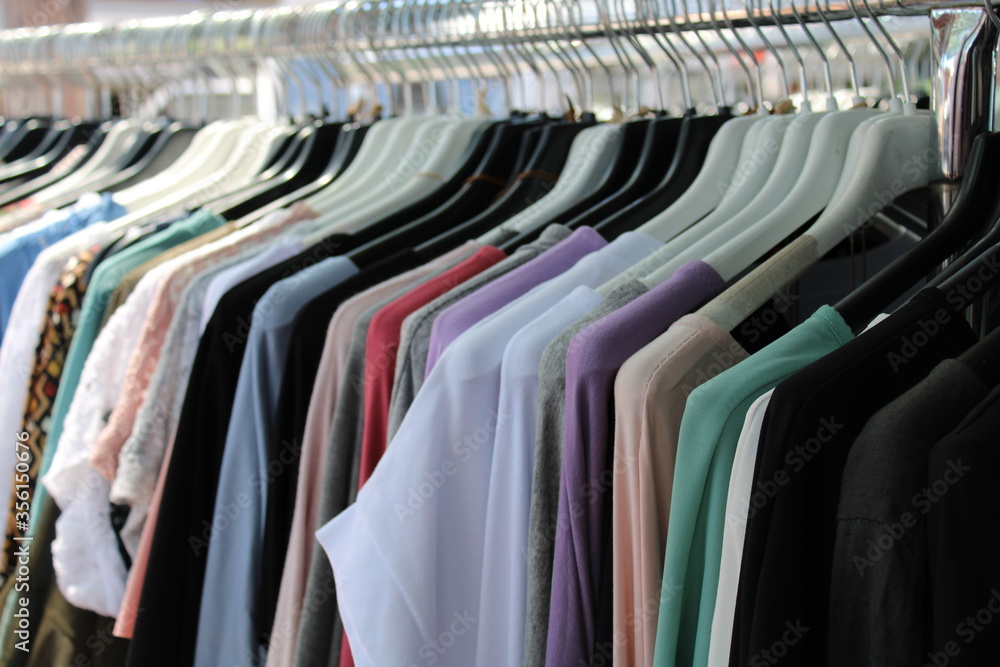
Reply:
x=711, y=426
x=103, y=282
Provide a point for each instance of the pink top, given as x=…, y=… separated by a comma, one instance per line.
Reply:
x=142, y=363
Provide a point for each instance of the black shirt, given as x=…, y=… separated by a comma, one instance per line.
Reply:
x=811, y=422
x=962, y=474
x=304, y=354
x=167, y=622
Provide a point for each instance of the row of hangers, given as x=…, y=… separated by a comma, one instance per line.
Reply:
x=712, y=185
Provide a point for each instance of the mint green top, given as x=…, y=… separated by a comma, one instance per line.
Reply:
x=713, y=418
x=103, y=282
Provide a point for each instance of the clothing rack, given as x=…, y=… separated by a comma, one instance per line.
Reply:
x=963, y=41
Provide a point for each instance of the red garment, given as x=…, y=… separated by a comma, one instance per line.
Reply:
x=381, y=347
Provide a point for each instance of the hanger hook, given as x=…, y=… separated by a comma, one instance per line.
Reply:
x=628, y=66
x=738, y=56
x=878, y=46
x=803, y=78
x=720, y=97
x=827, y=72
x=758, y=73
x=671, y=11
x=574, y=25
x=650, y=13
x=631, y=38
x=573, y=41
x=843, y=49
x=767, y=44
x=565, y=53
x=895, y=49
x=503, y=73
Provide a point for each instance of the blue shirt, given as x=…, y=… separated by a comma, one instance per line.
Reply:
x=20, y=252
x=226, y=632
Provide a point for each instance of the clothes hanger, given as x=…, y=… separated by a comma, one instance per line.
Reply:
x=880, y=147
x=723, y=156
x=591, y=150
x=61, y=137
x=663, y=138
x=761, y=149
x=632, y=136
x=454, y=200
x=693, y=141
x=96, y=148
x=383, y=144
x=548, y=158
x=807, y=168
x=288, y=148
x=734, y=245
x=440, y=148
x=513, y=145
x=350, y=137
x=302, y=162
x=124, y=137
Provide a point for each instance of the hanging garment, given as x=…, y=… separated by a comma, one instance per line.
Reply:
x=874, y=505
x=827, y=392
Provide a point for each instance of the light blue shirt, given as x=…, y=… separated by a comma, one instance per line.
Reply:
x=505, y=569
x=19, y=252
x=408, y=555
x=226, y=632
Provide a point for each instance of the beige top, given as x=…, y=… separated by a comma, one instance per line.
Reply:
x=651, y=390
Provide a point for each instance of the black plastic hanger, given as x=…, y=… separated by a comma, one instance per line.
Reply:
x=448, y=225
x=696, y=136
x=24, y=139
x=49, y=178
x=973, y=208
x=538, y=176
x=63, y=141
x=661, y=142
x=346, y=148
x=973, y=281
x=313, y=156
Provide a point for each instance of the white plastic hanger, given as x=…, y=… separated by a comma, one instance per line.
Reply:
x=227, y=171
x=725, y=153
x=415, y=175
x=199, y=160
x=119, y=139
x=887, y=155
x=586, y=163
